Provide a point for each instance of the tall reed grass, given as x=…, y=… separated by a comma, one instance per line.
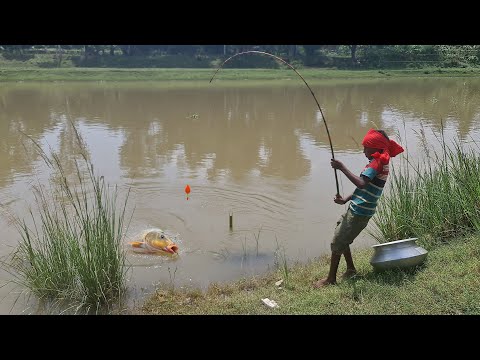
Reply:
x=434, y=200
x=71, y=250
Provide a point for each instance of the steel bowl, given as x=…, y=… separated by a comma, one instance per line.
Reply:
x=398, y=254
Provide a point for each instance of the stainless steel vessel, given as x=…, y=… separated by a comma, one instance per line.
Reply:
x=397, y=254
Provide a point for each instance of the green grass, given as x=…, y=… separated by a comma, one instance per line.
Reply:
x=72, y=250
x=447, y=283
x=177, y=74
x=435, y=200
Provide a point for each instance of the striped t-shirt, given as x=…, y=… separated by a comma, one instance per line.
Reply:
x=364, y=201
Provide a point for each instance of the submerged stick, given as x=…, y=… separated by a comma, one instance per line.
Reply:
x=291, y=67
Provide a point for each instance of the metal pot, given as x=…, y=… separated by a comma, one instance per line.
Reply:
x=397, y=254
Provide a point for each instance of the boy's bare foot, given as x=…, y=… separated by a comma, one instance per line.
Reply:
x=324, y=282
x=349, y=274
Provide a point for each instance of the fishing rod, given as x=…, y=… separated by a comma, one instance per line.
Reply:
x=291, y=67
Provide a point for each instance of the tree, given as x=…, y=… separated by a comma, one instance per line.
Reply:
x=353, y=51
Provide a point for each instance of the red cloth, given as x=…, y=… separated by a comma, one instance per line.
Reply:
x=377, y=140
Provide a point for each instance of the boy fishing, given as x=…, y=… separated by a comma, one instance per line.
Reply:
x=378, y=148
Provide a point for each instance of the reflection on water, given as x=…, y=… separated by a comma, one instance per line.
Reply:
x=260, y=153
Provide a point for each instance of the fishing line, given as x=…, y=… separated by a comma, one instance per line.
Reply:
x=291, y=67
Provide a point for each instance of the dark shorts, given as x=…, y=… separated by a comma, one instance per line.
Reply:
x=348, y=228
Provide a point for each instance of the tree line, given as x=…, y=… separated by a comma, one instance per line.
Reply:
x=338, y=56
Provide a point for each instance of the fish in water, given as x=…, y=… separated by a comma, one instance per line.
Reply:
x=154, y=241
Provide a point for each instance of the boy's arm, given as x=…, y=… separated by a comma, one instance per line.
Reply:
x=359, y=181
x=341, y=200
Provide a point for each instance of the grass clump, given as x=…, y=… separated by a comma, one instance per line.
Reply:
x=435, y=200
x=71, y=247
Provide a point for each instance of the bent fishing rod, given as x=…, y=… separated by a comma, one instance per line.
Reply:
x=291, y=67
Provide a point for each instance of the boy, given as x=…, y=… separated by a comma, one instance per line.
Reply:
x=378, y=148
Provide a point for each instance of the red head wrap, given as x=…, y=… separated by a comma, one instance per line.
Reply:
x=377, y=140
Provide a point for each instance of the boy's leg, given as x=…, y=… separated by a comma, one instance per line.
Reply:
x=351, y=271
x=347, y=229
x=331, y=279
x=336, y=255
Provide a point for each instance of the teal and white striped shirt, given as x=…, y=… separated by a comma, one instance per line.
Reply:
x=364, y=201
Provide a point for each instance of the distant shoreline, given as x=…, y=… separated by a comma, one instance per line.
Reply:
x=12, y=74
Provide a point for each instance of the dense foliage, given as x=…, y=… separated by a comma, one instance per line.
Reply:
x=202, y=56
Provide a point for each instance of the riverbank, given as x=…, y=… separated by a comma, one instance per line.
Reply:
x=149, y=74
x=447, y=283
